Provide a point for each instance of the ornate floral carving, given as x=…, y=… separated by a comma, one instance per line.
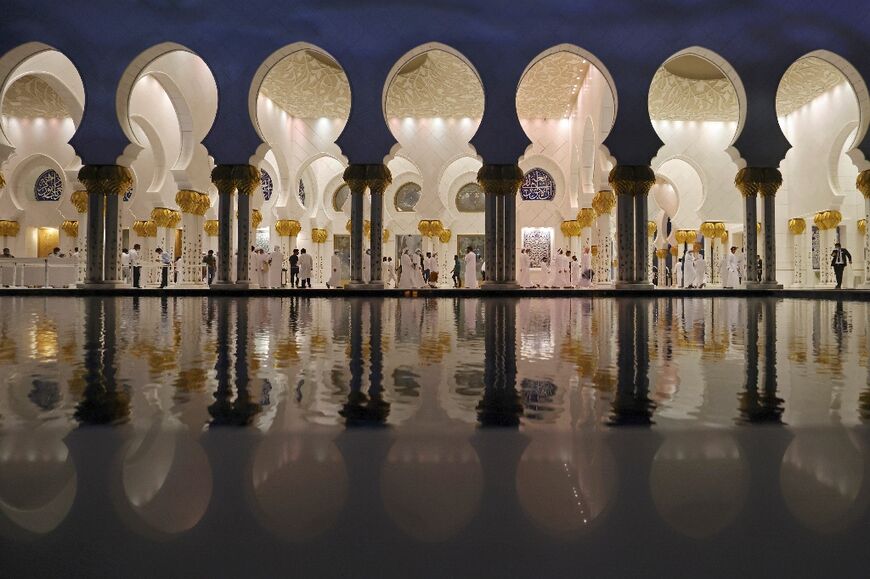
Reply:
x=538, y=244
x=805, y=80
x=675, y=98
x=435, y=84
x=549, y=89
x=32, y=97
x=308, y=85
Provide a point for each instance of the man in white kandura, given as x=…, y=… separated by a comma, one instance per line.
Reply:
x=306, y=266
x=524, y=275
x=261, y=264
x=730, y=270
x=574, y=268
x=700, y=268
x=334, y=271
x=470, y=269
x=367, y=266
x=406, y=278
x=276, y=265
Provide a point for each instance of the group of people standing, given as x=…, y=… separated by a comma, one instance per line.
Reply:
x=564, y=270
x=269, y=268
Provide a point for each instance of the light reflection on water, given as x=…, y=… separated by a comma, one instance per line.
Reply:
x=666, y=362
x=454, y=422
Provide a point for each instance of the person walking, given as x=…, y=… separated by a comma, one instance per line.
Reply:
x=136, y=264
x=839, y=257
x=294, y=268
x=210, y=262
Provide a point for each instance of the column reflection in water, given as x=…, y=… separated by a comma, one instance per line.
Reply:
x=764, y=406
x=104, y=400
x=500, y=405
x=631, y=402
x=226, y=410
x=365, y=409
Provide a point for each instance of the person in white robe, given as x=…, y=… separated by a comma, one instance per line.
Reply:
x=562, y=265
x=306, y=267
x=586, y=269
x=406, y=277
x=470, y=269
x=730, y=270
x=523, y=278
x=699, y=266
x=334, y=271
x=679, y=271
x=276, y=265
x=367, y=266
x=261, y=263
x=575, y=271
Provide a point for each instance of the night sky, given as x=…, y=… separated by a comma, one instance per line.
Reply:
x=632, y=38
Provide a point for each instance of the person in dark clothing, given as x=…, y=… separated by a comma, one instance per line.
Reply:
x=294, y=268
x=839, y=257
x=210, y=265
x=457, y=268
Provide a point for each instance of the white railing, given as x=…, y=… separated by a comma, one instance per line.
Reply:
x=38, y=272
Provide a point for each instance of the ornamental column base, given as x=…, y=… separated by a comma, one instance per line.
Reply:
x=764, y=285
x=633, y=285
x=377, y=285
x=499, y=285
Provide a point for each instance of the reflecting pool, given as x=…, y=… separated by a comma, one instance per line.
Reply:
x=433, y=437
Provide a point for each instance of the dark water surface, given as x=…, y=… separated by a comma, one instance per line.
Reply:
x=220, y=437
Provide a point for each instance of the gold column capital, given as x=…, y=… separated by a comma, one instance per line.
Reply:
x=192, y=201
x=256, y=218
x=165, y=217
x=862, y=226
x=9, y=228
x=145, y=228
x=288, y=227
x=631, y=179
x=651, y=228
x=2, y=181
x=70, y=227
x=444, y=236
x=604, y=202
x=862, y=183
x=211, y=227
x=319, y=235
x=80, y=201
x=106, y=179
x=585, y=217
x=764, y=181
x=797, y=225
x=242, y=178
x=825, y=220
x=500, y=179
x=375, y=177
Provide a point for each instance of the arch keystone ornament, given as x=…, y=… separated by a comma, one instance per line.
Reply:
x=862, y=183
x=500, y=184
x=632, y=184
x=105, y=185
x=752, y=182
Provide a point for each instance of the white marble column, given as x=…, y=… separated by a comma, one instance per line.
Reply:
x=112, y=258
x=603, y=204
x=193, y=206
x=799, y=256
x=226, y=186
x=80, y=202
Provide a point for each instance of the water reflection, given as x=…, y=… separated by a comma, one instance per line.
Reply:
x=391, y=424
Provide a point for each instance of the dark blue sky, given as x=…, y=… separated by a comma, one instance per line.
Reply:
x=760, y=38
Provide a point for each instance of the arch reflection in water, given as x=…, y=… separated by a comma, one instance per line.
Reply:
x=699, y=482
